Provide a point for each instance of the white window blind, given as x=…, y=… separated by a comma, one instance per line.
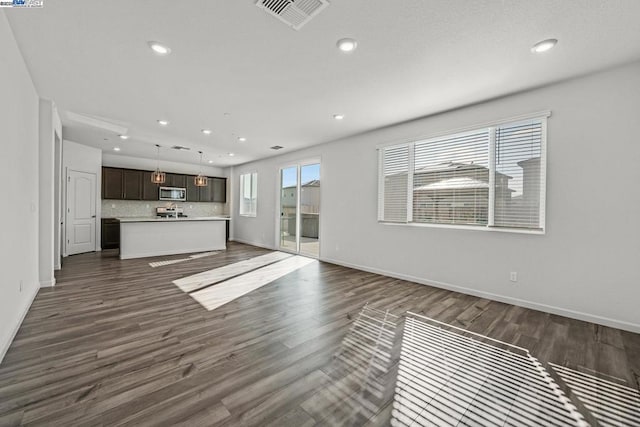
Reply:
x=518, y=174
x=248, y=194
x=451, y=179
x=489, y=177
x=395, y=175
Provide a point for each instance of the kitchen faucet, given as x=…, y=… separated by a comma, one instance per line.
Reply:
x=174, y=206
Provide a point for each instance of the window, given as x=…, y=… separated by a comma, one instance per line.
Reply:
x=248, y=194
x=492, y=177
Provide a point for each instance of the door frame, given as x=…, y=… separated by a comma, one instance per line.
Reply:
x=278, y=212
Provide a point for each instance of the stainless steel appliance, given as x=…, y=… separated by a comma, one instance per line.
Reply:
x=173, y=193
x=170, y=212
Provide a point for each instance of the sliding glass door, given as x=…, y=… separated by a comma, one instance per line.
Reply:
x=289, y=208
x=300, y=209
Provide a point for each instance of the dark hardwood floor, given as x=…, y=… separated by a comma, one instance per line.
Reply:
x=116, y=343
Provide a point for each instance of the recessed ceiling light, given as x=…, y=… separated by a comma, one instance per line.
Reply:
x=347, y=45
x=338, y=116
x=210, y=161
x=124, y=136
x=116, y=148
x=159, y=48
x=163, y=122
x=231, y=154
x=206, y=131
x=242, y=139
x=544, y=45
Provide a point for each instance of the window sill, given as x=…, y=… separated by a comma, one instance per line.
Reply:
x=248, y=215
x=466, y=227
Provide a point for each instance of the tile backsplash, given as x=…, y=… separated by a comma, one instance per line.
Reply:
x=135, y=208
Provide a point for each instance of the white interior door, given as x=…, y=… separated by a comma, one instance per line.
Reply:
x=81, y=212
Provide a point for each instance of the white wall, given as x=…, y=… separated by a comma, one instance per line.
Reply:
x=19, y=173
x=82, y=158
x=586, y=266
x=49, y=126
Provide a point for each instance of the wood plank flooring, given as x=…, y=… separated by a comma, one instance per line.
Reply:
x=117, y=343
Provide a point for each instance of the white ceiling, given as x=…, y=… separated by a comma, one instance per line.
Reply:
x=281, y=86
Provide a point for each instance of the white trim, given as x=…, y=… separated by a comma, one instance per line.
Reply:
x=543, y=176
x=380, y=185
x=298, y=204
x=466, y=227
x=419, y=138
x=48, y=283
x=16, y=328
x=585, y=317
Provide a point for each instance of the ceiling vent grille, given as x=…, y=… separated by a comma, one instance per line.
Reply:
x=294, y=13
x=277, y=147
x=180, y=147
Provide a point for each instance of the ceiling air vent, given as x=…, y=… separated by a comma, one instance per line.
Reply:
x=294, y=13
x=276, y=147
x=180, y=147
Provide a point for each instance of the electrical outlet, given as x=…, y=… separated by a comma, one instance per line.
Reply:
x=113, y=205
x=147, y=205
x=513, y=276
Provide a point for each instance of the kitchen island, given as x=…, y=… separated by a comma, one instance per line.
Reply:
x=145, y=237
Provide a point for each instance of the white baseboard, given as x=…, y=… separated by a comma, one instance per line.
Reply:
x=48, y=283
x=16, y=327
x=614, y=323
x=260, y=245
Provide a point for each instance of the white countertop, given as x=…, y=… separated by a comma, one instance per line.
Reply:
x=183, y=219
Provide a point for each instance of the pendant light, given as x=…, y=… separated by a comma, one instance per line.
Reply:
x=158, y=177
x=200, y=180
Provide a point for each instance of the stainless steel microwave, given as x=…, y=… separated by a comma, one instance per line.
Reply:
x=173, y=193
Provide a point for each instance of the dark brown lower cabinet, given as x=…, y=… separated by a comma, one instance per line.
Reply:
x=110, y=233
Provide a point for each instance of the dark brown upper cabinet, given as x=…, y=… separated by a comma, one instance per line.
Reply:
x=132, y=184
x=112, y=182
x=175, y=180
x=132, y=187
x=206, y=193
x=150, y=191
x=219, y=189
x=193, y=192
